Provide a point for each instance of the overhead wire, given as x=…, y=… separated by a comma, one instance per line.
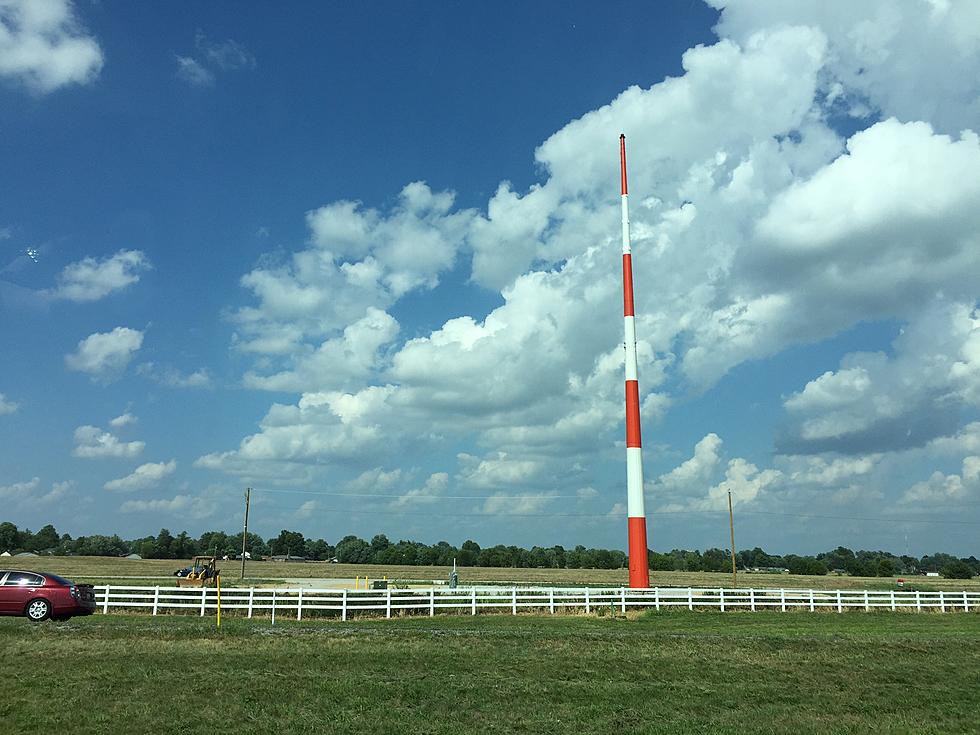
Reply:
x=594, y=516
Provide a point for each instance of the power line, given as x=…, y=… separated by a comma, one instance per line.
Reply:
x=617, y=518
x=419, y=497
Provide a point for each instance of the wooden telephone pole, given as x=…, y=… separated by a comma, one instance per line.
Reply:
x=248, y=492
x=731, y=527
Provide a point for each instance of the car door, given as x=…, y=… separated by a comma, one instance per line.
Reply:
x=17, y=589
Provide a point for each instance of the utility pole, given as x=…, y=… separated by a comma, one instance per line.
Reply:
x=248, y=492
x=731, y=527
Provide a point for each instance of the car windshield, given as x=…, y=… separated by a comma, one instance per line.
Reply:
x=59, y=580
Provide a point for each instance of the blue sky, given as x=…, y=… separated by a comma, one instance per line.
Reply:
x=365, y=259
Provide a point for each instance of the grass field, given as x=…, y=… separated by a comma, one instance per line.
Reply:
x=660, y=672
x=101, y=570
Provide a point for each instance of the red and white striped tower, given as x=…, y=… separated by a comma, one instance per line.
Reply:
x=637, y=519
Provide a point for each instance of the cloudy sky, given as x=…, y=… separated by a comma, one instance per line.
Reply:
x=366, y=260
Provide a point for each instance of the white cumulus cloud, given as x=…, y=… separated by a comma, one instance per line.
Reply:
x=105, y=355
x=43, y=47
x=145, y=476
x=91, y=442
x=91, y=279
x=6, y=405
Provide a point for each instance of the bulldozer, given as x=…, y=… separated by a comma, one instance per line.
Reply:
x=201, y=573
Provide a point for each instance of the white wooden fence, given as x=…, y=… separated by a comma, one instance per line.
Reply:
x=297, y=602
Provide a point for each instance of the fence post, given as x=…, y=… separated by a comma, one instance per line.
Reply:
x=105, y=602
x=812, y=606
x=432, y=602
x=623, y=594
x=273, y=606
x=942, y=601
x=251, y=598
x=513, y=598
x=204, y=599
x=299, y=604
x=588, y=607
x=867, y=607
x=782, y=600
x=474, y=600
x=388, y=604
x=156, y=599
x=551, y=600
x=690, y=599
x=966, y=602
x=752, y=599
x=656, y=598
x=343, y=605
x=893, y=600
x=918, y=601
x=721, y=596
x=840, y=608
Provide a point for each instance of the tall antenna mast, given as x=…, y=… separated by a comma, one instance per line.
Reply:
x=637, y=519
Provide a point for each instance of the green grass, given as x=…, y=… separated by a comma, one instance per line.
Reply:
x=659, y=672
x=102, y=570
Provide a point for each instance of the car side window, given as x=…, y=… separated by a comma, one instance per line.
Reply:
x=22, y=579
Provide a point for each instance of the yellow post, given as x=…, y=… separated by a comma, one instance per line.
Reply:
x=357, y=582
x=366, y=585
x=217, y=580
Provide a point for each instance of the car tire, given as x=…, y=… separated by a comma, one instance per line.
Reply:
x=38, y=610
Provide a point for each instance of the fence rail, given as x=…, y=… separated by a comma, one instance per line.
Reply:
x=297, y=602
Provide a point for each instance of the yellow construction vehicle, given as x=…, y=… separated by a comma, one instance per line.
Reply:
x=201, y=573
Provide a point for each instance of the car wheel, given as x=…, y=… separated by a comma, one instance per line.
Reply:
x=38, y=610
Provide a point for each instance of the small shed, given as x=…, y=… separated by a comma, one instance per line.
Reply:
x=133, y=556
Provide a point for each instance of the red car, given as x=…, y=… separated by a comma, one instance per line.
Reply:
x=42, y=596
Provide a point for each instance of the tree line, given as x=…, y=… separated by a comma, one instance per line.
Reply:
x=380, y=550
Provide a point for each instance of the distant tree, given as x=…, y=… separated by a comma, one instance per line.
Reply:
x=936, y=562
x=469, y=554
x=716, y=560
x=958, y=569
x=319, y=550
x=164, y=542
x=804, y=565
x=9, y=537
x=288, y=542
x=215, y=542
x=886, y=567
x=184, y=547
x=46, y=538
x=839, y=558
x=353, y=550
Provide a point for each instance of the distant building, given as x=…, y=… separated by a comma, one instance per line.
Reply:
x=286, y=557
x=26, y=553
x=932, y=574
x=133, y=556
x=6, y=553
